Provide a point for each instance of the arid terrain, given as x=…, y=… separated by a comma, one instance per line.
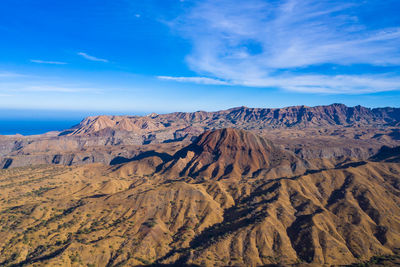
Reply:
x=303, y=186
x=310, y=132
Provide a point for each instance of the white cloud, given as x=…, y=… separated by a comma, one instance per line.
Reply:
x=10, y=75
x=200, y=80
x=12, y=83
x=39, y=85
x=338, y=84
x=92, y=58
x=343, y=84
x=49, y=88
x=47, y=62
x=247, y=42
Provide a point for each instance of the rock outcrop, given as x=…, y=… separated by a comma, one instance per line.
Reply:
x=216, y=202
x=335, y=131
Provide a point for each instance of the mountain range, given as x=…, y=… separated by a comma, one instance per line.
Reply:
x=244, y=118
x=336, y=130
x=297, y=186
x=229, y=198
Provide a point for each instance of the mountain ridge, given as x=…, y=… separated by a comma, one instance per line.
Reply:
x=244, y=118
x=229, y=152
x=330, y=131
x=159, y=208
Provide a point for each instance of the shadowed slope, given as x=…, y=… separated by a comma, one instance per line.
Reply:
x=387, y=154
x=245, y=118
x=92, y=214
x=230, y=152
x=331, y=131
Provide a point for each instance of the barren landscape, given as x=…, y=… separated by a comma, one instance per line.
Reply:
x=199, y=133
x=240, y=187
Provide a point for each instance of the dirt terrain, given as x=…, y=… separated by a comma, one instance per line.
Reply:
x=310, y=132
x=229, y=198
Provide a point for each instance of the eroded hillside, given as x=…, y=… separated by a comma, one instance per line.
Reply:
x=310, y=132
x=229, y=198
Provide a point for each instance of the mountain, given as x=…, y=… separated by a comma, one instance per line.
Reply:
x=216, y=155
x=230, y=198
x=329, y=132
x=230, y=153
x=387, y=154
x=245, y=118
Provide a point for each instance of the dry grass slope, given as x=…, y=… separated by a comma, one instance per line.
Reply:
x=147, y=212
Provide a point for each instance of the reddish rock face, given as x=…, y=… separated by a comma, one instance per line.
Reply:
x=231, y=198
x=229, y=152
x=332, y=131
x=246, y=118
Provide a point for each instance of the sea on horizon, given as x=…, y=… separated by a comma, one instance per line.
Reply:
x=34, y=126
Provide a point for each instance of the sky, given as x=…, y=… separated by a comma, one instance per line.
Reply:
x=128, y=56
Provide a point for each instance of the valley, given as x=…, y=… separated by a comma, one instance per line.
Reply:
x=244, y=196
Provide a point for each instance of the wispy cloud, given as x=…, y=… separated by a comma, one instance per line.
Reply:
x=54, y=89
x=332, y=84
x=12, y=83
x=91, y=58
x=43, y=85
x=252, y=42
x=338, y=84
x=7, y=74
x=200, y=80
x=47, y=62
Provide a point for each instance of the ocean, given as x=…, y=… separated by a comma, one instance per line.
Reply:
x=34, y=126
x=32, y=122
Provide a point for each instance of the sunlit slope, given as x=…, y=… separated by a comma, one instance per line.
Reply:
x=122, y=214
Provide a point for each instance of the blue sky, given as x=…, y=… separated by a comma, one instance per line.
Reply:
x=126, y=56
